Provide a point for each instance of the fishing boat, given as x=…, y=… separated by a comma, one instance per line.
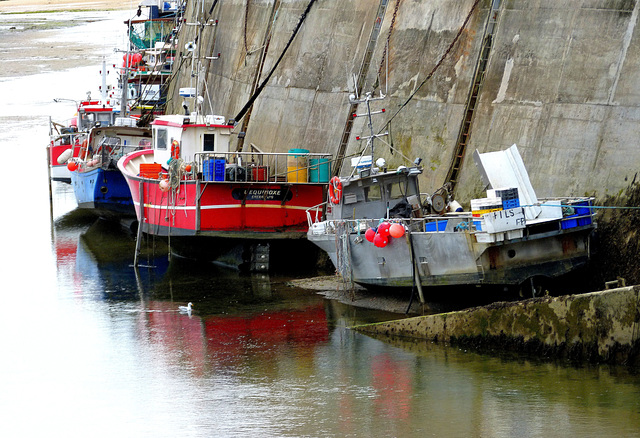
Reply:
x=66, y=139
x=147, y=63
x=208, y=199
x=97, y=183
x=381, y=231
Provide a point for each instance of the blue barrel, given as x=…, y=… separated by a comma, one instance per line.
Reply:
x=319, y=169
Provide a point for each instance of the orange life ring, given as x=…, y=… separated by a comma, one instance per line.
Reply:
x=335, y=190
x=175, y=149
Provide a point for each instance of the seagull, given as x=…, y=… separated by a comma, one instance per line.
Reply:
x=185, y=309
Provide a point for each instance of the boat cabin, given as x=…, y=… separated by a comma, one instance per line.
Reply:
x=373, y=196
x=92, y=113
x=183, y=136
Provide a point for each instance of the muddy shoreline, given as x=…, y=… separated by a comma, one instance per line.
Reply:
x=33, y=43
x=33, y=6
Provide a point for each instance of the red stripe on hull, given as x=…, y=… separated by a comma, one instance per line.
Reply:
x=222, y=208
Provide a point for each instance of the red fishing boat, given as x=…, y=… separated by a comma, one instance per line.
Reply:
x=67, y=140
x=192, y=188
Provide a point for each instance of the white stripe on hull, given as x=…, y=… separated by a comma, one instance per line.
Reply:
x=217, y=207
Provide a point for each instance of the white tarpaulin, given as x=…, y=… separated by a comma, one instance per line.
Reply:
x=506, y=169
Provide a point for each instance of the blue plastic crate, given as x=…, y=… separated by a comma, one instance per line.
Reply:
x=218, y=169
x=582, y=211
x=207, y=170
x=569, y=223
x=510, y=203
x=507, y=194
x=584, y=221
x=431, y=226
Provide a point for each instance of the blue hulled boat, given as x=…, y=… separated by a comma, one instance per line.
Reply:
x=97, y=183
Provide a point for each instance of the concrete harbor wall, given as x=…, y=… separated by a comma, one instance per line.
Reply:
x=561, y=81
x=596, y=327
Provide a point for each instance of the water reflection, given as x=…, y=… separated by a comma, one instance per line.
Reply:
x=258, y=356
x=92, y=347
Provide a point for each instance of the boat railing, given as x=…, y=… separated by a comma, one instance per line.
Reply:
x=106, y=155
x=460, y=222
x=576, y=212
x=315, y=213
x=264, y=167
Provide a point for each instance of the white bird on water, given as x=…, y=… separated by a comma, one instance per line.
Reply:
x=185, y=309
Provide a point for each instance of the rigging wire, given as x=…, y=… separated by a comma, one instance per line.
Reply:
x=438, y=64
x=252, y=99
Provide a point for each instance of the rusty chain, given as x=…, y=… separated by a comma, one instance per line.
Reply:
x=386, y=46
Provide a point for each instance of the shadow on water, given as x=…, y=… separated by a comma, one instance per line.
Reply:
x=100, y=255
x=255, y=345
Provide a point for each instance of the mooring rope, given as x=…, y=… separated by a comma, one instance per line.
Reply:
x=594, y=207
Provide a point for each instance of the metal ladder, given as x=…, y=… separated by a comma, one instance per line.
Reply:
x=366, y=62
x=472, y=99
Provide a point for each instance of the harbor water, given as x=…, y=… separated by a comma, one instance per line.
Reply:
x=93, y=347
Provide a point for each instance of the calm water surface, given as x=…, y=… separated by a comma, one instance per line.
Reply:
x=92, y=347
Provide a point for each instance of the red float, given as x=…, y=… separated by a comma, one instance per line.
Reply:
x=370, y=234
x=380, y=241
x=383, y=228
x=396, y=230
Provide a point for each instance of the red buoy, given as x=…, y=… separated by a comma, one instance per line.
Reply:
x=380, y=241
x=370, y=234
x=396, y=230
x=383, y=228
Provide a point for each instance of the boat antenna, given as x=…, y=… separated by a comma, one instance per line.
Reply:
x=367, y=99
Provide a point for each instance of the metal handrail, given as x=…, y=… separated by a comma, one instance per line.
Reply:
x=264, y=166
x=355, y=224
x=317, y=209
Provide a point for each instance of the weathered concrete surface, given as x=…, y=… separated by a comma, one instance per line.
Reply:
x=562, y=82
x=599, y=326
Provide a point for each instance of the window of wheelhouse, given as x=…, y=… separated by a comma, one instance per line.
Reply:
x=396, y=190
x=86, y=120
x=209, y=144
x=160, y=139
x=372, y=193
x=105, y=119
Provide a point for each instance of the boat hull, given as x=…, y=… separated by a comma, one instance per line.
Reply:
x=222, y=209
x=456, y=258
x=104, y=191
x=59, y=171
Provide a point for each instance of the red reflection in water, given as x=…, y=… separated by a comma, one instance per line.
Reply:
x=180, y=334
x=66, y=249
x=392, y=382
x=231, y=338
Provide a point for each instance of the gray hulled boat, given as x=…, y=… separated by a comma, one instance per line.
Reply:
x=509, y=238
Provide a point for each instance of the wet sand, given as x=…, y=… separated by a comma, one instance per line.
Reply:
x=42, y=38
x=17, y=6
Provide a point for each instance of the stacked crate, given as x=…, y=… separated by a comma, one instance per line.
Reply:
x=509, y=196
x=485, y=205
x=213, y=169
